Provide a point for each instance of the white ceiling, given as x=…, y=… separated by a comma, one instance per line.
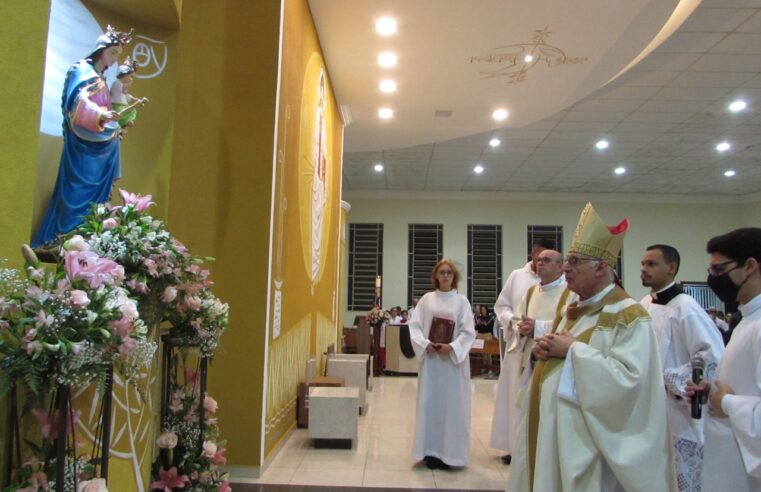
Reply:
x=663, y=117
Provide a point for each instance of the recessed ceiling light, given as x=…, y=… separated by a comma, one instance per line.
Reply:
x=499, y=114
x=602, y=144
x=738, y=105
x=378, y=168
x=528, y=58
x=385, y=26
x=620, y=170
x=386, y=113
x=387, y=85
x=723, y=146
x=478, y=169
x=729, y=173
x=494, y=142
x=387, y=59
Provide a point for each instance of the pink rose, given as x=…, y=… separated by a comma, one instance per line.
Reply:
x=169, y=295
x=210, y=404
x=127, y=345
x=94, y=485
x=193, y=303
x=209, y=449
x=79, y=298
x=110, y=223
x=121, y=328
x=76, y=243
x=225, y=487
x=166, y=440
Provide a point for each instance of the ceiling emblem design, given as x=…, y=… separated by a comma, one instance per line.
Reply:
x=513, y=59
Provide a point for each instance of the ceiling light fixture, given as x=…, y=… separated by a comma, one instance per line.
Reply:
x=738, y=105
x=387, y=86
x=620, y=170
x=723, y=147
x=602, y=144
x=386, y=113
x=378, y=168
x=387, y=59
x=500, y=114
x=729, y=173
x=494, y=142
x=528, y=58
x=385, y=26
x=478, y=169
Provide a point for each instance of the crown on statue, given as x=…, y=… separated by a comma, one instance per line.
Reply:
x=595, y=239
x=127, y=67
x=118, y=37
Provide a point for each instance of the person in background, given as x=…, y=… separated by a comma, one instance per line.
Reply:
x=732, y=458
x=685, y=332
x=396, y=316
x=505, y=412
x=484, y=320
x=718, y=321
x=411, y=309
x=442, y=416
x=405, y=318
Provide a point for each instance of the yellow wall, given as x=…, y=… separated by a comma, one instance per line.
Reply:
x=220, y=189
x=22, y=49
x=306, y=220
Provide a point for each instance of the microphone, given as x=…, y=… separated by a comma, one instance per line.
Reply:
x=698, y=370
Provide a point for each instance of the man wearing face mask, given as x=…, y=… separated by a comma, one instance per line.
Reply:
x=732, y=459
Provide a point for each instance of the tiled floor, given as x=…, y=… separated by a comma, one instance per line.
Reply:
x=381, y=456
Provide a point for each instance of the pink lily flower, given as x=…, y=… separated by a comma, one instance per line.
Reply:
x=219, y=457
x=168, y=480
x=88, y=266
x=140, y=202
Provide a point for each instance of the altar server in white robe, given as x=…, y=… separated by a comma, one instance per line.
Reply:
x=732, y=458
x=684, y=332
x=594, y=418
x=505, y=417
x=442, y=420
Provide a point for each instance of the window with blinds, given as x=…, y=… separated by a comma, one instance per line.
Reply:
x=484, y=263
x=704, y=295
x=425, y=249
x=536, y=233
x=365, y=262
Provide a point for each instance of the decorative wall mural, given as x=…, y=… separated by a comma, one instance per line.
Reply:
x=314, y=166
x=515, y=60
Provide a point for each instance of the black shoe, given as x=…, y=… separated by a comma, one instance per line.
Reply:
x=443, y=466
x=431, y=462
x=506, y=459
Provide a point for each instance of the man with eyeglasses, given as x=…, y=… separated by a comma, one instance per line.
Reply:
x=594, y=418
x=538, y=308
x=505, y=416
x=685, y=333
x=732, y=459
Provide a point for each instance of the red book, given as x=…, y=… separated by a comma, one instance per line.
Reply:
x=441, y=330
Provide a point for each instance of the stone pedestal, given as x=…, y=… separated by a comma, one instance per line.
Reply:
x=354, y=373
x=333, y=412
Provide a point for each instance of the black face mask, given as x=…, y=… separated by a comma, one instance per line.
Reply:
x=723, y=286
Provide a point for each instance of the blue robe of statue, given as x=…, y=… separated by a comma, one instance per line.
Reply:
x=90, y=158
